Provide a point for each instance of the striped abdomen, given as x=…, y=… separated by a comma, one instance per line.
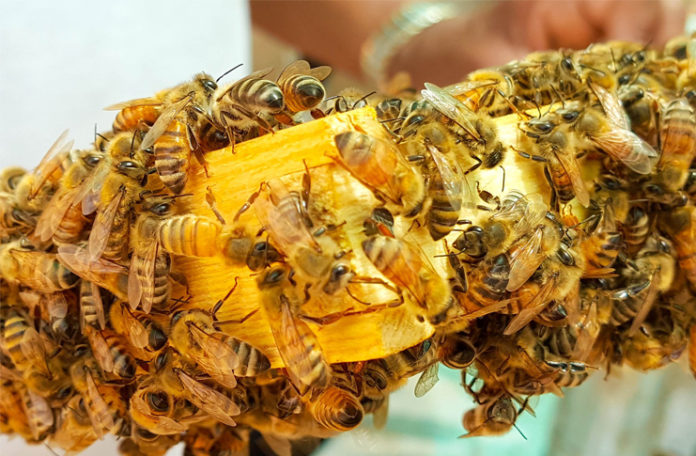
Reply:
x=14, y=332
x=678, y=140
x=190, y=235
x=132, y=117
x=257, y=96
x=337, y=409
x=155, y=287
x=636, y=228
x=487, y=284
x=602, y=249
x=561, y=180
x=91, y=307
x=251, y=361
x=302, y=92
x=173, y=153
x=123, y=362
x=117, y=244
x=42, y=271
x=71, y=226
x=444, y=210
x=626, y=302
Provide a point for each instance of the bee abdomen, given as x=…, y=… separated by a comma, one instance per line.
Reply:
x=251, y=361
x=337, y=409
x=172, y=153
x=70, y=228
x=190, y=235
x=131, y=117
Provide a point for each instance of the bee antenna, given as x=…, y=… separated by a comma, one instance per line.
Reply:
x=228, y=72
x=364, y=97
x=50, y=449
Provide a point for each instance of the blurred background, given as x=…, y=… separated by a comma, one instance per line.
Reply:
x=62, y=62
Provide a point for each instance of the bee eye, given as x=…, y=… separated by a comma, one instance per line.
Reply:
x=158, y=401
x=570, y=116
x=209, y=85
x=544, y=127
x=157, y=338
x=92, y=160
x=260, y=247
x=127, y=164
x=177, y=316
x=275, y=276
x=565, y=257
x=161, y=209
x=567, y=64
x=623, y=79
x=145, y=434
x=161, y=360
x=64, y=392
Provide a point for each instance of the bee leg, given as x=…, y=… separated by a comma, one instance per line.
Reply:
x=476, y=166
x=249, y=202
x=554, y=203
x=212, y=203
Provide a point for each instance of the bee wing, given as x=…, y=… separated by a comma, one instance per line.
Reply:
x=296, y=67
x=650, y=297
x=207, y=399
x=525, y=261
x=320, y=72
x=105, y=273
x=141, y=288
x=379, y=417
x=427, y=380
x=149, y=101
x=627, y=147
x=90, y=190
x=100, y=349
x=57, y=305
x=162, y=122
x=611, y=105
x=137, y=333
x=535, y=306
x=100, y=421
x=219, y=357
x=572, y=168
x=289, y=231
x=53, y=214
x=50, y=162
x=452, y=177
x=98, y=305
x=587, y=335
x=33, y=349
x=450, y=107
x=101, y=229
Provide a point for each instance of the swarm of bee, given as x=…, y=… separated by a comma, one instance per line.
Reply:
x=589, y=262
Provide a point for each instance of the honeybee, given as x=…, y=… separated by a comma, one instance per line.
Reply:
x=142, y=332
x=636, y=228
x=103, y=405
x=111, y=352
x=56, y=309
x=194, y=334
x=407, y=267
x=554, y=147
x=62, y=218
x=34, y=269
x=301, y=86
x=297, y=344
x=244, y=105
x=109, y=235
x=23, y=344
x=609, y=131
x=381, y=168
x=495, y=416
x=155, y=410
x=487, y=284
x=479, y=132
x=680, y=225
x=148, y=275
x=482, y=91
x=678, y=143
x=654, y=346
x=318, y=260
x=243, y=248
x=147, y=442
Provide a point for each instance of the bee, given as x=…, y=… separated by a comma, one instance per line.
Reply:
x=482, y=91
x=318, y=260
x=495, y=416
x=570, y=374
x=118, y=192
x=405, y=265
x=636, y=228
x=654, y=346
x=641, y=105
x=678, y=143
x=111, y=352
x=487, y=284
x=680, y=226
x=337, y=409
x=153, y=409
x=148, y=275
x=297, y=344
x=379, y=165
x=244, y=105
x=148, y=442
x=56, y=309
x=23, y=344
x=12, y=404
x=34, y=269
x=62, y=218
x=208, y=399
x=187, y=234
x=479, y=132
x=554, y=147
x=103, y=404
x=194, y=334
x=139, y=329
x=608, y=130
x=301, y=86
